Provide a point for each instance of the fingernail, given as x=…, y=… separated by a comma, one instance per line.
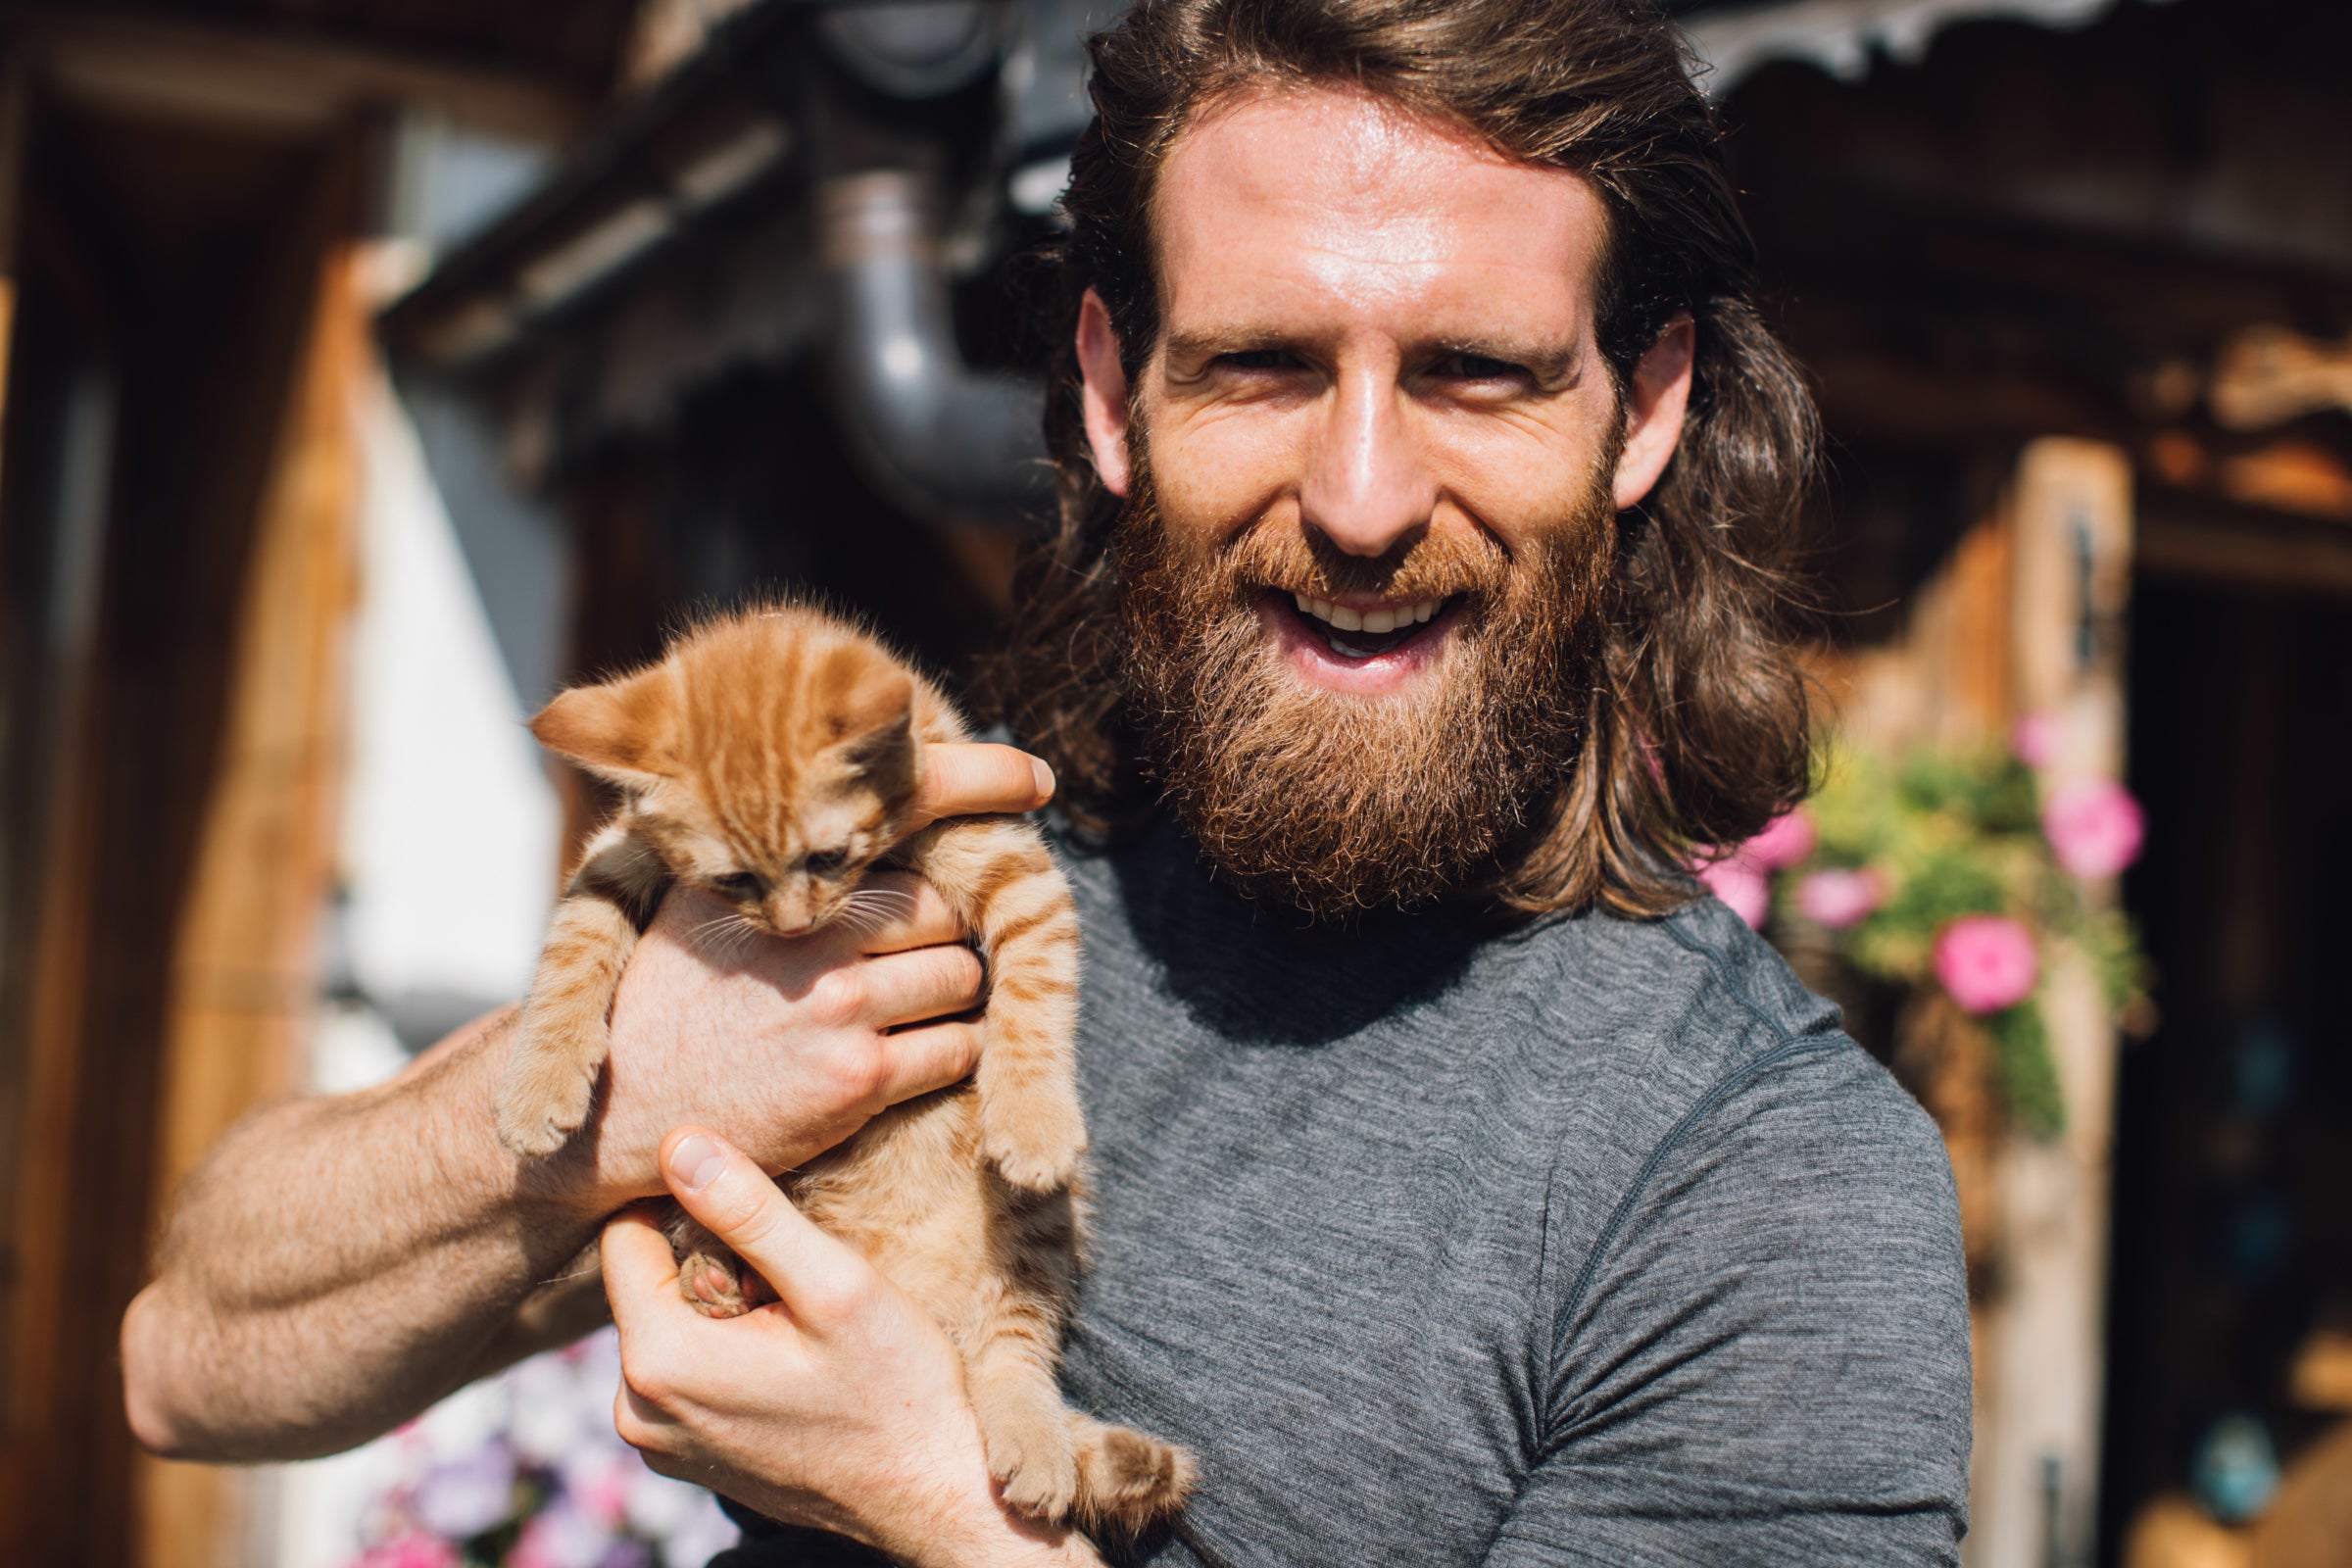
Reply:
x=1045, y=778
x=696, y=1161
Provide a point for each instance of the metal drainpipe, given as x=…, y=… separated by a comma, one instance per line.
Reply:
x=945, y=442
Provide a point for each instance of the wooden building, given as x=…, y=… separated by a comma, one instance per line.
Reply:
x=2074, y=277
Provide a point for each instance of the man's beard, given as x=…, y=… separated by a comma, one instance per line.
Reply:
x=1332, y=802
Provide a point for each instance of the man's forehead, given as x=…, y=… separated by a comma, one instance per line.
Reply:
x=1336, y=191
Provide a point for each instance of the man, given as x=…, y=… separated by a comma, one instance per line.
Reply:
x=1467, y=1191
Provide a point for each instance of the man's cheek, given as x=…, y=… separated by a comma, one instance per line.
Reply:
x=1521, y=482
x=1211, y=483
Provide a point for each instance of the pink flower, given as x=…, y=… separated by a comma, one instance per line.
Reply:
x=2034, y=739
x=1840, y=899
x=467, y=1496
x=2094, y=826
x=410, y=1551
x=1786, y=840
x=1739, y=884
x=1987, y=963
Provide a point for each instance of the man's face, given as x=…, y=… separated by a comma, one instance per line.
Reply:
x=1371, y=490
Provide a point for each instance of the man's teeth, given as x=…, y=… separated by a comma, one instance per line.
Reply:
x=1386, y=618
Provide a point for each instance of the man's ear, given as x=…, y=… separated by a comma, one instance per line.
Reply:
x=1105, y=393
x=621, y=730
x=1655, y=401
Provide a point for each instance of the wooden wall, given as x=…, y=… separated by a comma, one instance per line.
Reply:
x=188, y=750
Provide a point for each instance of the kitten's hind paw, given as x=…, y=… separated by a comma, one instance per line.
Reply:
x=1129, y=1485
x=720, y=1285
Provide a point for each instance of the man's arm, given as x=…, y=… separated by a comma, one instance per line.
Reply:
x=1770, y=1361
x=335, y=1265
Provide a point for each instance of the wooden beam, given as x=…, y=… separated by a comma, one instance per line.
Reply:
x=243, y=982
x=273, y=81
x=2315, y=560
x=2041, y=1339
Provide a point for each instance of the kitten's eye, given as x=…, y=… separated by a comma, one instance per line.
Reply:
x=741, y=885
x=824, y=862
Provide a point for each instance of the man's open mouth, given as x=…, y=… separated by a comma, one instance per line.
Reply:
x=1359, y=632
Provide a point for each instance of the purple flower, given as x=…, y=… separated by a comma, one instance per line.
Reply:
x=657, y=1506
x=2094, y=826
x=701, y=1536
x=1839, y=899
x=597, y=1481
x=466, y=1497
x=1739, y=884
x=1987, y=963
x=2034, y=739
x=1785, y=841
x=562, y=1534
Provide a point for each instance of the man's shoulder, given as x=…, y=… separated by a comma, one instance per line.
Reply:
x=1685, y=1045
x=1678, y=1003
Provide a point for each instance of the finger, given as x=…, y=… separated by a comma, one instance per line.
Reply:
x=896, y=911
x=814, y=1276
x=917, y=1061
x=640, y=1268
x=916, y=986
x=972, y=780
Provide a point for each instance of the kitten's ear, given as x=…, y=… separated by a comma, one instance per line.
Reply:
x=871, y=705
x=621, y=730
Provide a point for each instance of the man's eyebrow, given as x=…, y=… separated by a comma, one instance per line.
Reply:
x=1208, y=342
x=1547, y=359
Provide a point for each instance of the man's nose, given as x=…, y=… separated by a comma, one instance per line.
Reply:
x=1366, y=486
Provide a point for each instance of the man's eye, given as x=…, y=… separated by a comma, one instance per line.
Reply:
x=824, y=862
x=741, y=885
x=1257, y=360
x=1477, y=367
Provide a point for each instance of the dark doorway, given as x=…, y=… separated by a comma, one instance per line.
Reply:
x=2233, y=1236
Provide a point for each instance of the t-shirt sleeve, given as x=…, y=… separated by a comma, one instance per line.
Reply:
x=1764, y=1357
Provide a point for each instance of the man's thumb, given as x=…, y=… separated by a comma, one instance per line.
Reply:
x=719, y=1184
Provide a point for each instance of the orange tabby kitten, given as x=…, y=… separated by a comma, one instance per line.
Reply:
x=772, y=757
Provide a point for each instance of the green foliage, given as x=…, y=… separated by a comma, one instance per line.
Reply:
x=2027, y=1069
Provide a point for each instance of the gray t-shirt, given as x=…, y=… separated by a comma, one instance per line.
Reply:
x=1593, y=1243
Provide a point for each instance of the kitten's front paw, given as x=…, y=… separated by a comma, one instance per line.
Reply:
x=1036, y=1144
x=1029, y=1450
x=542, y=1103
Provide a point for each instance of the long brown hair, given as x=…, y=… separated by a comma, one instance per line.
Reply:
x=1696, y=729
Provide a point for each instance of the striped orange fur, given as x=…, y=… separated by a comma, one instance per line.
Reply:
x=772, y=757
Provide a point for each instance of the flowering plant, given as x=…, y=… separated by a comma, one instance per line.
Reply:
x=1961, y=871
x=525, y=1470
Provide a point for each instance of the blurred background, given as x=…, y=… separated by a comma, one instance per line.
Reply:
x=376, y=367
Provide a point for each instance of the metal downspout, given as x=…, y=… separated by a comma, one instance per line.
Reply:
x=936, y=437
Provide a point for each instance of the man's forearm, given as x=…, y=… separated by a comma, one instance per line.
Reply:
x=337, y=1264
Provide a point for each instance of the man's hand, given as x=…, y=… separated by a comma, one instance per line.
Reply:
x=335, y=1265
x=789, y=1046
x=840, y=1406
